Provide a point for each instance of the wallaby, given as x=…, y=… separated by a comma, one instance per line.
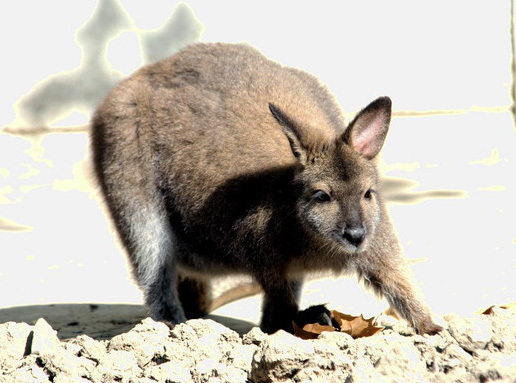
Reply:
x=218, y=160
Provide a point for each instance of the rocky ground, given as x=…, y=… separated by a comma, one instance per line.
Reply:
x=481, y=348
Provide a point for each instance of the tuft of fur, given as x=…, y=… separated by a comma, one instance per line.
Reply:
x=218, y=160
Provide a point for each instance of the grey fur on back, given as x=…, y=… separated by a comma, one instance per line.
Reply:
x=219, y=160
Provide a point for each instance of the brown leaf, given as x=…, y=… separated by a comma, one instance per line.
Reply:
x=507, y=306
x=310, y=330
x=357, y=327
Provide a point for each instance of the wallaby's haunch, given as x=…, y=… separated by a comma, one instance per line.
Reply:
x=217, y=160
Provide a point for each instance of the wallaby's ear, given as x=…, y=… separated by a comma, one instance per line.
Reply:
x=366, y=133
x=290, y=130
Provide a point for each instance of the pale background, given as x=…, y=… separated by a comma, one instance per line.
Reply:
x=449, y=158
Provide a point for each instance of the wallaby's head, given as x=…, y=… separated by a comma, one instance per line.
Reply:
x=337, y=180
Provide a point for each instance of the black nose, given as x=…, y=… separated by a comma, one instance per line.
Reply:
x=354, y=235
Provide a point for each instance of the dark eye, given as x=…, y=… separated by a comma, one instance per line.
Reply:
x=369, y=194
x=321, y=196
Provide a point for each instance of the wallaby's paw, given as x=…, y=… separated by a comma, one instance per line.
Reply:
x=429, y=327
x=316, y=314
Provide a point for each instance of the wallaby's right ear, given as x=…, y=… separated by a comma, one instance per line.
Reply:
x=366, y=133
x=292, y=133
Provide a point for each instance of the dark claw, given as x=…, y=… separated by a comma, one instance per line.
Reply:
x=316, y=314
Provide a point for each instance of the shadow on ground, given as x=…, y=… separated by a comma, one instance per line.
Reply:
x=99, y=321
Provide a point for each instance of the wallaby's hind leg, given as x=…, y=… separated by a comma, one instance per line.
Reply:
x=194, y=295
x=129, y=185
x=150, y=245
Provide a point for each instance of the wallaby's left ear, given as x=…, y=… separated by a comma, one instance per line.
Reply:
x=292, y=132
x=366, y=133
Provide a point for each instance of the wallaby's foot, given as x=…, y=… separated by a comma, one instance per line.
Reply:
x=272, y=323
x=163, y=312
x=277, y=317
x=170, y=325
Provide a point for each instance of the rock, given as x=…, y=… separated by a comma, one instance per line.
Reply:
x=473, y=333
x=146, y=340
x=44, y=338
x=240, y=357
x=441, y=353
x=90, y=348
x=28, y=372
x=341, y=340
x=170, y=371
x=210, y=370
x=283, y=357
x=401, y=360
x=371, y=349
x=15, y=341
x=497, y=367
x=198, y=328
x=503, y=322
x=453, y=357
x=477, y=349
x=214, y=351
x=255, y=336
x=63, y=366
x=118, y=365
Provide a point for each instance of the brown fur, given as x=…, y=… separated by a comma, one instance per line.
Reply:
x=217, y=160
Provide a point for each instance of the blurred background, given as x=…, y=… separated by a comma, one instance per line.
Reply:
x=449, y=160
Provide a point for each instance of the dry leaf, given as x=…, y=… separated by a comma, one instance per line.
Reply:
x=357, y=327
x=311, y=330
x=507, y=306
